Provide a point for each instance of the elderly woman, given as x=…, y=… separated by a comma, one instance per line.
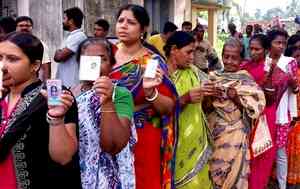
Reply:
x=241, y=100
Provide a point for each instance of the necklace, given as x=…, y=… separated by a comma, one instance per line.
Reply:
x=131, y=57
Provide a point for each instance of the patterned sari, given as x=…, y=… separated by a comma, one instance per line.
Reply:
x=294, y=147
x=230, y=126
x=193, y=149
x=100, y=170
x=155, y=149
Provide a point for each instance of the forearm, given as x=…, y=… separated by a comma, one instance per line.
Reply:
x=114, y=133
x=184, y=100
x=163, y=104
x=62, y=146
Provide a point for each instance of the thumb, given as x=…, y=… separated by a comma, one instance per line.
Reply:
x=44, y=93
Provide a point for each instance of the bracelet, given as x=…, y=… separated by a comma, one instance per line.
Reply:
x=55, y=121
x=296, y=90
x=154, y=97
x=107, y=111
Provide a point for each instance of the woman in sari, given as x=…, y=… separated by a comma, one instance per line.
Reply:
x=229, y=122
x=105, y=113
x=38, y=143
x=293, y=178
x=154, y=99
x=193, y=149
x=258, y=49
x=281, y=85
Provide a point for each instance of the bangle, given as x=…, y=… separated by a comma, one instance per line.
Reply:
x=55, y=121
x=154, y=97
x=296, y=90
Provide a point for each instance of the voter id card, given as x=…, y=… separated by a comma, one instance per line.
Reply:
x=90, y=68
x=54, y=88
x=151, y=68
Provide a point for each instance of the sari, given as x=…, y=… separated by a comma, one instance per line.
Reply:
x=157, y=134
x=193, y=149
x=230, y=126
x=25, y=141
x=259, y=179
x=101, y=170
x=294, y=147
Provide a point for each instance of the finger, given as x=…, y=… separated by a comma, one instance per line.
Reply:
x=66, y=103
x=44, y=93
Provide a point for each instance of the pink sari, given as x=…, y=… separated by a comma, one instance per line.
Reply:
x=261, y=166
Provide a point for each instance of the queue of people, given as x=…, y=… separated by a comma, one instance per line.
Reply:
x=187, y=127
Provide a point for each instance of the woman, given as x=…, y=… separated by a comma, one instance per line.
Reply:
x=293, y=179
x=281, y=79
x=38, y=143
x=154, y=99
x=258, y=49
x=229, y=122
x=193, y=150
x=105, y=114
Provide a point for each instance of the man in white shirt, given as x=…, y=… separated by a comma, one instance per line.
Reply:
x=68, y=67
x=25, y=24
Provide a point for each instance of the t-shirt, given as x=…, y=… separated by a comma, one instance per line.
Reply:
x=68, y=71
x=246, y=41
x=158, y=42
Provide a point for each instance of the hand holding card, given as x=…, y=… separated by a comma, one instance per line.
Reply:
x=54, y=88
x=90, y=68
x=151, y=68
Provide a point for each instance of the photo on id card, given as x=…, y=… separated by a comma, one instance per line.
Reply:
x=150, y=71
x=89, y=69
x=54, y=88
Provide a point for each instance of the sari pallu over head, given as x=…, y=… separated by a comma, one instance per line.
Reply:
x=130, y=75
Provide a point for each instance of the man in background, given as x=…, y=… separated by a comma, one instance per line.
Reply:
x=25, y=24
x=159, y=40
x=206, y=57
x=186, y=26
x=68, y=67
x=101, y=28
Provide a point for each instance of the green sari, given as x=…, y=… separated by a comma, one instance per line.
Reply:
x=193, y=149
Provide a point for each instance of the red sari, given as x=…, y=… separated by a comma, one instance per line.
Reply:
x=261, y=166
x=154, y=151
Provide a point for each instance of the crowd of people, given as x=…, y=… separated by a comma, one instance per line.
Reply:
x=203, y=121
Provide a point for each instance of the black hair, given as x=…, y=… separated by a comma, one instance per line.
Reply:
x=8, y=24
x=249, y=26
x=272, y=34
x=103, y=23
x=31, y=46
x=24, y=18
x=76, y=14
x=139, y=12
x=179, y=39
x=97, y=41
x=186, y=23
x=169, y=27
x=262, y=39
x=290, y=45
